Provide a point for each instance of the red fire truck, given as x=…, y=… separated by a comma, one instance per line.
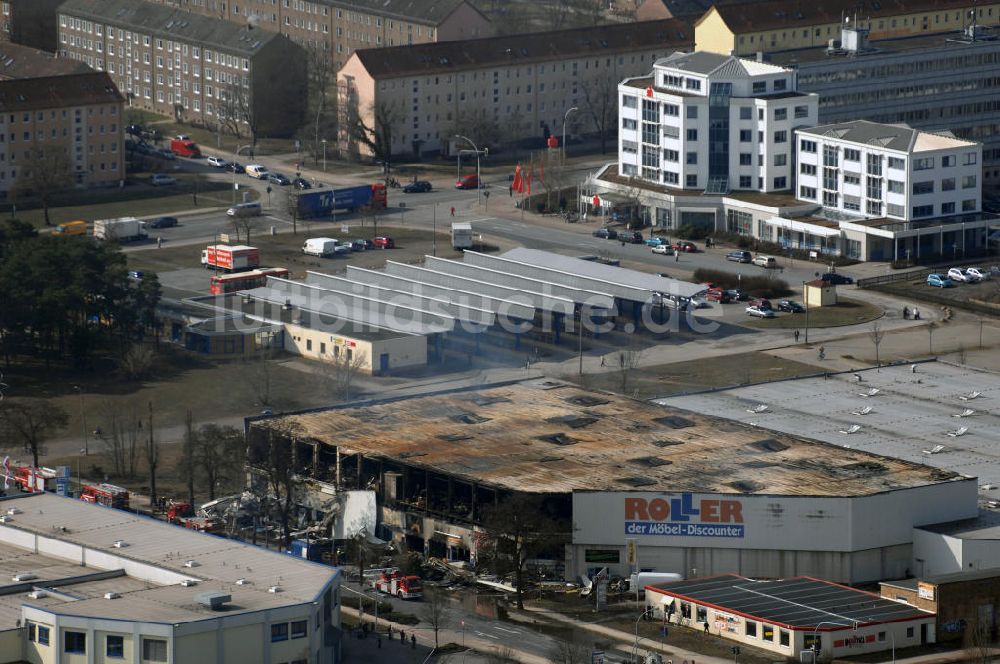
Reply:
x=392, y=582
x=108, y=495
x=30, y=479
x=178, y=510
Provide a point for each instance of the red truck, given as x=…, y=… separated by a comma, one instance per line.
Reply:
x=185, y=147
x=33, y=480
x=108, y=495
x=395, y=584
x=178, y=510
x=235, y=258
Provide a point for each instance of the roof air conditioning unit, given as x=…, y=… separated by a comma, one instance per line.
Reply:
x=37, y=594
x=112, y=595
x=187, y=583
x=241, y=582
x=214, y=601
x=13, y=510
x=5, y=519
x=27, y=576
x=120, y=544
x=274, y=589
x=190, y=563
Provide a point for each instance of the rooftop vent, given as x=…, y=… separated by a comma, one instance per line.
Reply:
x=746, y=486
x=241, y=582
x=452, y=438
x=214, y=601
x=190, y=563
x=187, y=583
x=651, y=461
x=866, y=468
x=6, y=519
x=587, y=400
x=274, y=589
x=768, y=445
x=37, y=594
x=489, y=400
x=573, y=421
x=120, y=544
x=674, y=421
x=558, y=439
x=667, y=443
x=26, y=576
x=468, y=418
x=637, y=481
x=112, y=595
x=13, y=510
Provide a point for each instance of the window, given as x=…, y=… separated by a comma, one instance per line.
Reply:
x=702, y=614
x=751, y=628
x=780, y=159
x=781, y=114
x=948, y=208
x=812, y=641
x=630, y=147
x=739, y=222
x=767, y=632
x=628, y=101
x=279, y=632
x=309, y=346
x=692, y=134
x=692, y=84
x=807, y=169
x=947, y=184
x=75, y=642
x=948, y=160
x=969, y=158
x=670, y=177
x=922, y=211
x=299, y=629
x=807, y=193
x=801, y=111
x=759, y=87
x=43, y=635
x=909, y=632
x=154, y=650
x=779, y=84
x=746, y=113
x=31, y=632
x=968, y=181
x=671, y=110
x=851, y=154
x=807, y=146
x=923, y=187
x=746, y=182
x=628, y=123
x=692, y=113
x=780, y=136
x=830, y=198
x=746, y=135
x=691, y=158
x=895, y=210
x=781, y=183
x=783, y=638
x=114, y=646
x=691, y=180
x=923, y=164
x=897, y=187
x=881, y=636
x=671, y=155
x=852, y=178
x=746, y=159
x=969, y=205
x=897, y=162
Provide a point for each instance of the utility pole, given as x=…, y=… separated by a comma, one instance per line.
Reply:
x=579, y=336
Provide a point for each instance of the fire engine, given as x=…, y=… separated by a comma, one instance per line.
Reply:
x=30, y=479
x=392, y=582
x=108, y=495
x=203, y=524
x=178, y=510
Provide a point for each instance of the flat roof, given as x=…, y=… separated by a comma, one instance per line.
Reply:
x=548, y=436
x=156, y=553
x=911, y=416
x=801, y=603
x=986, y=526
x=919, y=47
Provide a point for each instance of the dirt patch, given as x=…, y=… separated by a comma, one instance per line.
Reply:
x=694, y=375
x=845, y=312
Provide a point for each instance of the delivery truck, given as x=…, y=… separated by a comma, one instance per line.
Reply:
x=185, y=147
x=324, y=202
x=461, y=235
x=230, y=258
x=123, y=229
x=324, y=247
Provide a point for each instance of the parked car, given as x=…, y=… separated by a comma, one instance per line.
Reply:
x=384, y=242
x=161, y=180
x=279, y=179
x=791, y=306
x=301, y=183
x=236, y=167
x=739, y=256
x=737, y=295
x=767, y=262
x=468, y=182
x=656, y=241
x=218, y=162
x=979, y=273
x=163, y=222
x=164, y=153
x=606, y=233
x=719, y=295
x=664, y=249
x=633, y=237
x=359, y=245
x=761, y=303
x=958, y=274
x=136, y=274
x=698, y=302
x=837, y=279
x=759, y=312
x=939, y=280
x=686, y=246
x=418, y=187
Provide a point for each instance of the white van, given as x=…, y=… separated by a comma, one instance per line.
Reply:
x=765, y=261
x=245, y=210
x=257, y=171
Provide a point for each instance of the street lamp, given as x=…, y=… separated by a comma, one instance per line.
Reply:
x=815, y=650
x=635, y=646
x=479, y=184
x=565, y=117
x=805, y=299
x=83, y=420
x=236, y=153
x=324, y=155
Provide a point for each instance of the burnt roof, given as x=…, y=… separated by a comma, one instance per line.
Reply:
x=454, y=56
x=19, y=61
x=788, y=14
x=28, y=94
x=548, y=436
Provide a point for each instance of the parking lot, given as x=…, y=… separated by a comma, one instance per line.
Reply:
x=982, y=296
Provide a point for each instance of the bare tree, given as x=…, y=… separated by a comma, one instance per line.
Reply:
x=236, y=109
x=338, y=371
x=569, y=650
x=625, y=360
x=437, y=611
x=122, y=433
x=514, y=530
x=272, y=455
x=502, y=655
x=930, y=337
x=376, y=134
x=478, y=121
x=876, y=334
x=188, y=461
x=152, y=456
x=137, y=361
x=600, y=104
x=221, y=454
x=26, y=423
x=362, y=552
x=322, y=104
x=259, y=373
x=45, y=170
x=292, y=208
x=243, y=225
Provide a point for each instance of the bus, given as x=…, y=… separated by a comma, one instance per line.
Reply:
x=231, y=283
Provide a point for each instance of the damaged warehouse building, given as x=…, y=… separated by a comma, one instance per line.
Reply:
x=694, y=494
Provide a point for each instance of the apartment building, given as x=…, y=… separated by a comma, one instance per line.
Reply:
x=500, y=89
x=340, y=27
x=78, y=113
x=17, y=61
x=197, y=69
x=30, y=22
x=928, y=63
x=712, y=122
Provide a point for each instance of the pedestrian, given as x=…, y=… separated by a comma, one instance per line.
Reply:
x=379, y=642
x=402, y=636
x=822, y=352
x=906, y=313
x=916, y=313
x=706, y=627
x=159, y=241
x=677, y=256
x=510, y=191
x=796, y=336
x=603, y=363
x=623, y=243
x=413, y=641
x=453, y=211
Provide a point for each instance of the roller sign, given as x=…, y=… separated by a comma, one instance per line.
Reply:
x=683, y=516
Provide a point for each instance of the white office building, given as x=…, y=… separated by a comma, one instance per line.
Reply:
x=712, y=122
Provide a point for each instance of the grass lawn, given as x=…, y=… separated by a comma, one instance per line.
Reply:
x=225, y=143
x=845, y=312
x=666, y=379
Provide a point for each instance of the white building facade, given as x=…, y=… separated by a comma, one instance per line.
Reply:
x=712, y=122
